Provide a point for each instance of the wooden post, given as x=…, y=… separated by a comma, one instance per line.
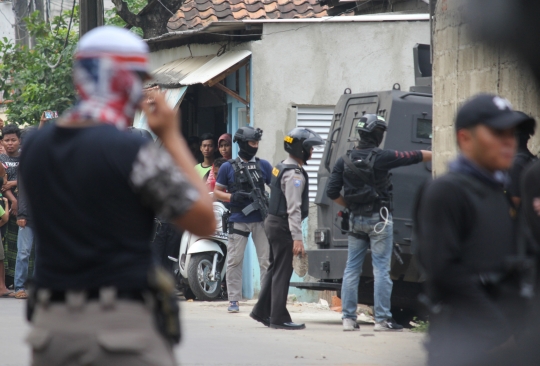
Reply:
x=248, y=79
x=91, y=15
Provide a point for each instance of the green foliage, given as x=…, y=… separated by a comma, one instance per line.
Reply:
x=419, y=326
x=112, y=17
x=28, y=76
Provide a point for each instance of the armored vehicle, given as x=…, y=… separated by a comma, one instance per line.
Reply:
x=409, y=118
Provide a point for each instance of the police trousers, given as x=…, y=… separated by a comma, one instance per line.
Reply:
x=273, y=296
x=112, y=333
x=235, y=255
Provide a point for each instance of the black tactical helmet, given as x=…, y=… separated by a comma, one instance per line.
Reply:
x=369, y=122
x=371, y=128
x=248, y=133
x=299, y=142
x=526, y=127
x=242, y=136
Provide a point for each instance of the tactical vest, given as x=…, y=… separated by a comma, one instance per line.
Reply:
x=487, y=239
x=241, y=183
x=364, y=194
x=278, y=203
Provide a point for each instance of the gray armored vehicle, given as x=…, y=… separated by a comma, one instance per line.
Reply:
x=409, y=118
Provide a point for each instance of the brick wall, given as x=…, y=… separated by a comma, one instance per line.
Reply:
x=463, y=67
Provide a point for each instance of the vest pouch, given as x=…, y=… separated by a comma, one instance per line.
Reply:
x=124, y=341
x=364, y=196
x=365, y=210
x=39, y=339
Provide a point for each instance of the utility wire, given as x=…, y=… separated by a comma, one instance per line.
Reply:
x=5, y=16
x=66, y=41
x=166, y=8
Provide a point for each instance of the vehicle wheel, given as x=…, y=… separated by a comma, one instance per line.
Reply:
x=200, y=267
x=188, y=294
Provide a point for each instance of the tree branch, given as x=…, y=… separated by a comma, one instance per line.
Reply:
x=123, y=11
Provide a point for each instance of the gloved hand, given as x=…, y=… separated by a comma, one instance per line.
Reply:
x=239, y=196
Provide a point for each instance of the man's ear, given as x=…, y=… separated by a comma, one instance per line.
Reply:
x=464, y=137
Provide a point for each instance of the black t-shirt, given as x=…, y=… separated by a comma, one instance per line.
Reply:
x=11, y=164
x=85, y=188
x=385, y=160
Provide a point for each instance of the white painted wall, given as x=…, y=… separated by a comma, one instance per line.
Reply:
x=7, y=20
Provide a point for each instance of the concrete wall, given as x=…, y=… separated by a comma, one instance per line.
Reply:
x=462, y=68
x=6, y=20
x=6, y=30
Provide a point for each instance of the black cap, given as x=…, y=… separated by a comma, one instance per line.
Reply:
x=489, y=110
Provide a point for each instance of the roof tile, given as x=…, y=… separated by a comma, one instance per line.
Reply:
x=198, y=13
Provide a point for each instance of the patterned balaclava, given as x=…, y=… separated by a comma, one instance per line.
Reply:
x=110, y=64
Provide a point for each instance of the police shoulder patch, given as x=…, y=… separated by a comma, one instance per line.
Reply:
x=275, y=172
x=297, y=182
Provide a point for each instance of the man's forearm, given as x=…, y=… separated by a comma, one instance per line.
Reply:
x=426, y=155
x=340, y=201
x=10, y=196
x=221, y=195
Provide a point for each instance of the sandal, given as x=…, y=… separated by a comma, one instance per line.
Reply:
x=21, y=294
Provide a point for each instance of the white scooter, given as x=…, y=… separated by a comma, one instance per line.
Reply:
x=202, y=262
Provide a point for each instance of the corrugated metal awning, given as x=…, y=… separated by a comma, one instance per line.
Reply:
x=173, y=97
x=171, y=74
x=207, y=70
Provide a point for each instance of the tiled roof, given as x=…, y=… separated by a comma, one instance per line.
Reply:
x=197, y=13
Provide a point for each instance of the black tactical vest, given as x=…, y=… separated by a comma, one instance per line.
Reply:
x=241, y=183
x=278, y=203
x=487, y=237
x=362, y=189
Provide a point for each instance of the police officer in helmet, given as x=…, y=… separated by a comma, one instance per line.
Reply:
x=364, y=174
x=233, y=186
x=289, y=205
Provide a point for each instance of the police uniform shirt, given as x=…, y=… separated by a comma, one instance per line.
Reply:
x=292, y=185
